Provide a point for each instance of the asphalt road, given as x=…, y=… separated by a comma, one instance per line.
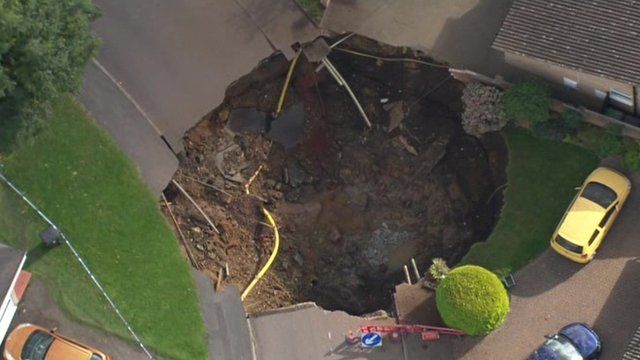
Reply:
x=171, y=62
x=176, y=58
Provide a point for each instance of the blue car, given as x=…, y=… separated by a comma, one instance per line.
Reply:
x=573, y=342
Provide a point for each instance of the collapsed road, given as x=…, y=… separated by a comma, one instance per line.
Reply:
x=353, y=204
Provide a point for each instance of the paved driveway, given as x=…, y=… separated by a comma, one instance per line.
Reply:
x=458, y=32
x=552, y=292
x=37, y=307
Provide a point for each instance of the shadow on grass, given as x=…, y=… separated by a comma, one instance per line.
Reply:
x=36, y=253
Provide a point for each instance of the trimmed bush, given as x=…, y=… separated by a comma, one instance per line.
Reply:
x=527, y=103
x=472, y=299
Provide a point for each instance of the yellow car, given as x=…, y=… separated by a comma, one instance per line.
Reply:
x=32, y=342
x=591, y=215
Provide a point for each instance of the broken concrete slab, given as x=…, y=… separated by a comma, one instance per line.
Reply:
x=313, y=333
x=247, y=121
x=225, y=320
x=316, y=50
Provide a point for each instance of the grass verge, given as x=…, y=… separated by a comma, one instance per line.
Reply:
x=542, y=176
x=76, y=174
x=312, y=8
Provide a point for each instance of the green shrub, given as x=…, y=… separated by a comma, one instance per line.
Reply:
x=571, y=120
x=611, y=143
x=527, y=103
x=438, y=269
x=472, y=299
x=632, y=157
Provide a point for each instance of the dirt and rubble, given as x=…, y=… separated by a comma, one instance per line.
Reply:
x=353, y=204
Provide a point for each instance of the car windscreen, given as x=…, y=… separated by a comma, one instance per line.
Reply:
x=568, y=245
x=36, y=346
x=562, y=348
x=599, y=194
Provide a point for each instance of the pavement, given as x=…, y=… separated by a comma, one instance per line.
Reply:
x=552, y=292
x=133, y=133
x=172, y=62
x=306, y=331
x=38, y=307
x=228, y=332
x=459, y=32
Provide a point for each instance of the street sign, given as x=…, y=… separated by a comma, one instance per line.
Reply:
x=371, y=340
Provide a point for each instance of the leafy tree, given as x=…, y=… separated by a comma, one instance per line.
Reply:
x=44, y=46
x=527, y=103
x=472, y=299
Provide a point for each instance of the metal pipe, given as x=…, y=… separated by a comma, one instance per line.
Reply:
x=196, y=205
x=406, y=275
x=182, y=238
x=341, y=40
x=415, y=269
x=330, y=67
x=332, y=72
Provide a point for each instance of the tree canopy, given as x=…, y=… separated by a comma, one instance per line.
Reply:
x=44, y=47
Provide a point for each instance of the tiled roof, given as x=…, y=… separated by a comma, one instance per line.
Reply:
x=633, y=348
x=600, y=37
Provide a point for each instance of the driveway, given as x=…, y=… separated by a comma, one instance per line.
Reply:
x=38, y=307
x=552, y=292
x=458, y=32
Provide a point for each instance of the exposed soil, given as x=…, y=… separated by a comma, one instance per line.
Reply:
x=353, y=204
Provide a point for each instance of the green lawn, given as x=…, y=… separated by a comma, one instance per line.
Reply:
x=312, y=8
x=542, y=176
x=76, y=174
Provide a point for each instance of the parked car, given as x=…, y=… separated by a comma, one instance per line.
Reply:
x=591, y=215
x=573, y=342
x=32, y=342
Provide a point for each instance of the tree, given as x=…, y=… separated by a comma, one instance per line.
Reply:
x=472, y=299
x=527, y=103
x=44, y=47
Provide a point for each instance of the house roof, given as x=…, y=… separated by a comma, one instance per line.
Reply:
x=10, y=261
x=633, y=348
x=600, y=37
